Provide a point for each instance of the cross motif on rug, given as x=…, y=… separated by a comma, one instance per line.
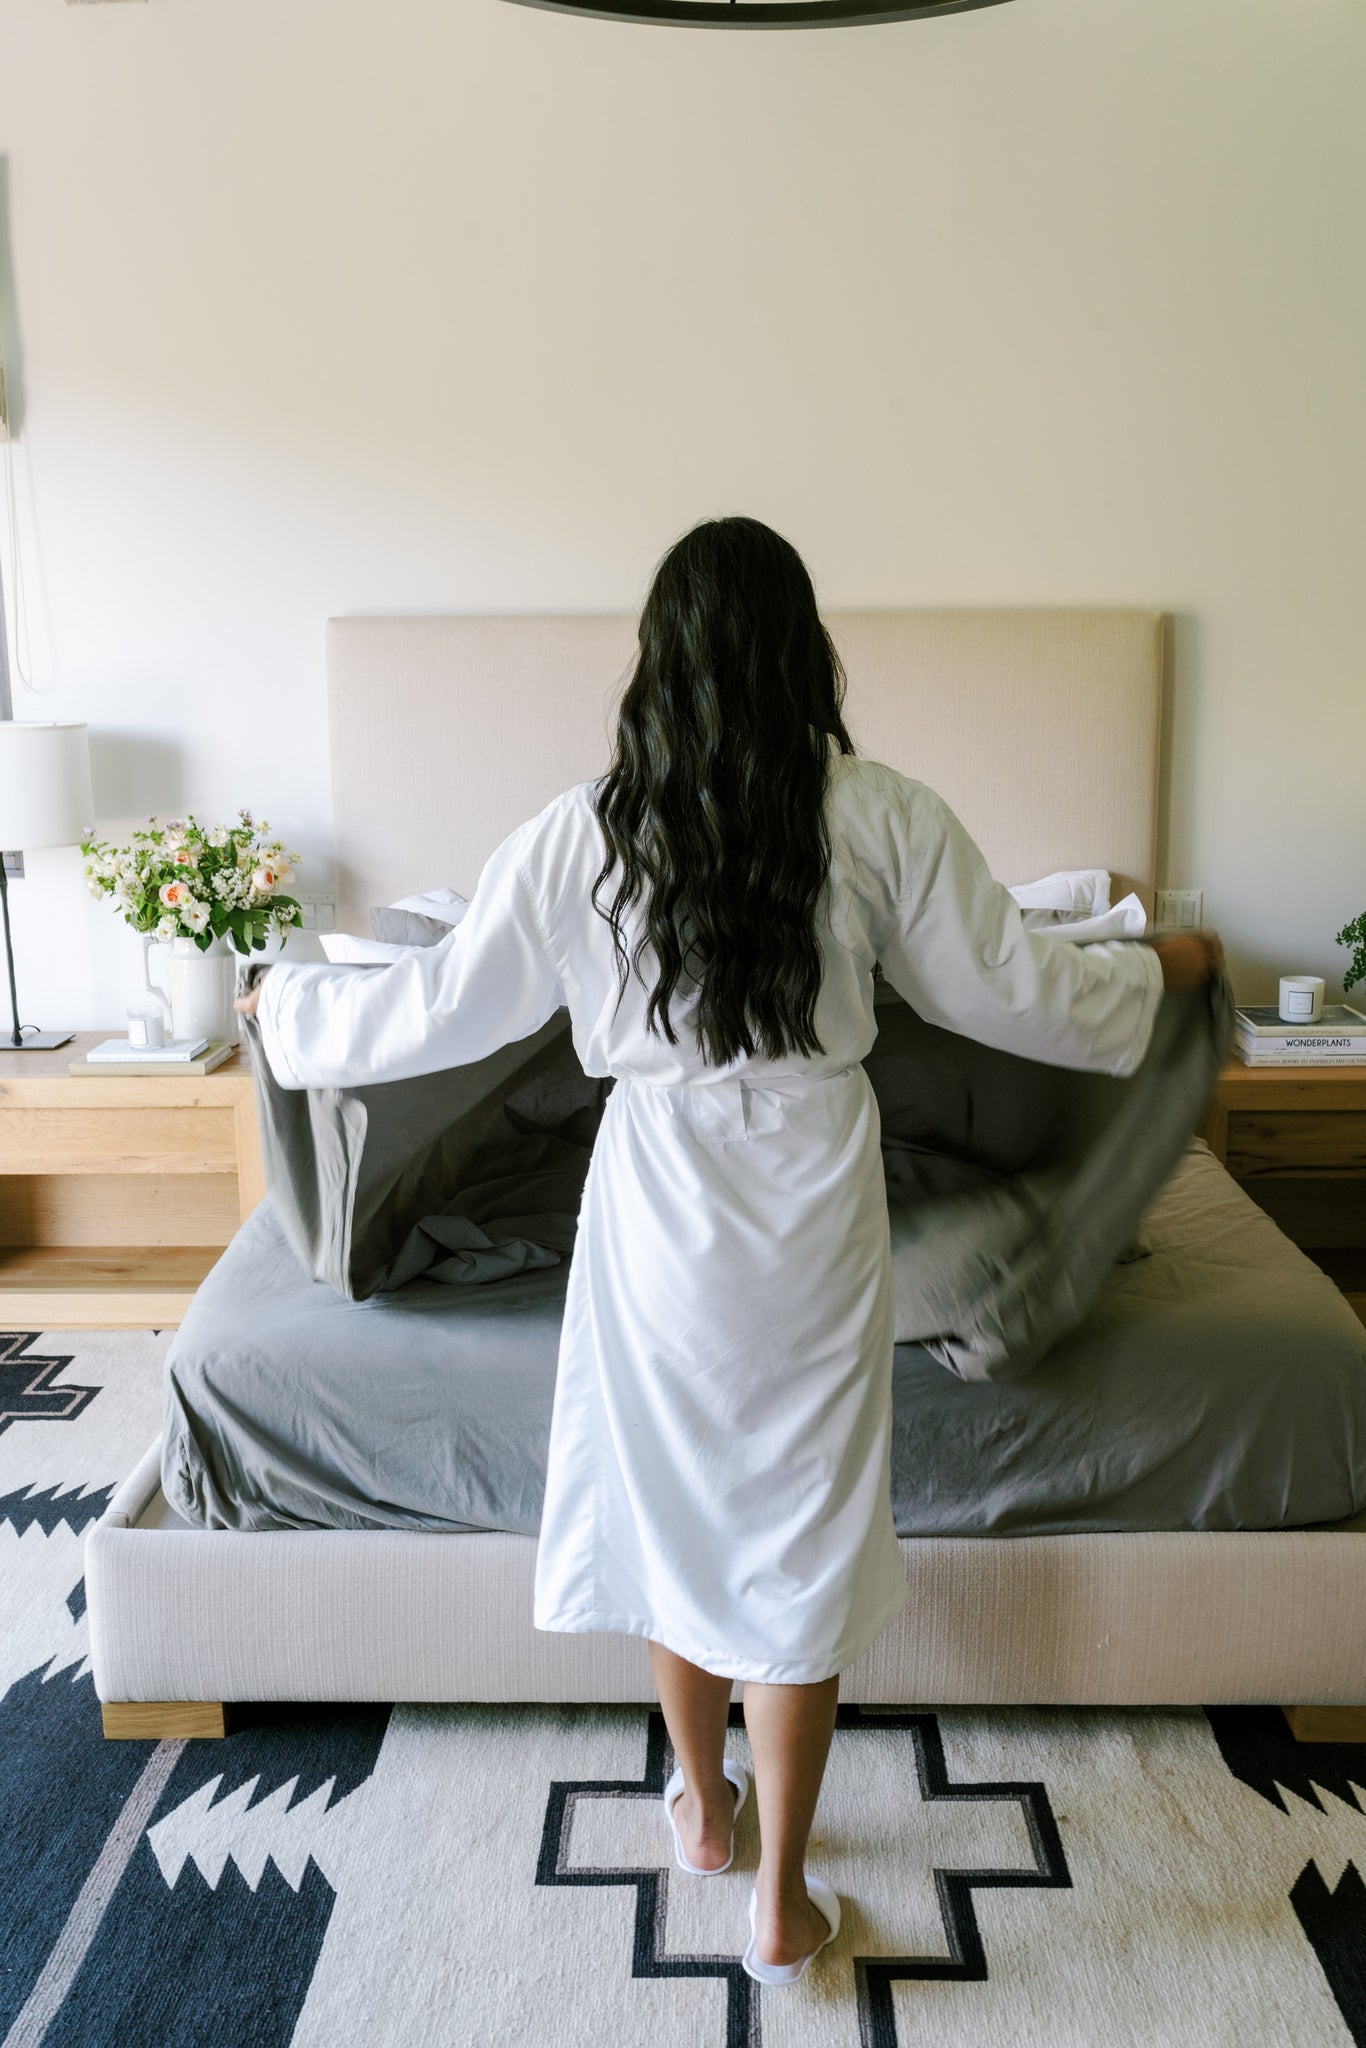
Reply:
x=959, y=1839
x=26, y=1390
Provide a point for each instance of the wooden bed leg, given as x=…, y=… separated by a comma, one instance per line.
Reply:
x=151, y=1720
x=1327, y=1724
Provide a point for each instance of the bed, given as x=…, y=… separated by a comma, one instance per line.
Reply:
x=1149, y=1585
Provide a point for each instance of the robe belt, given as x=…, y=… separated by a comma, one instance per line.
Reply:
x=722, y=1111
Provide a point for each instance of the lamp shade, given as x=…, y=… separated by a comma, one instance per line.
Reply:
x=44, y=784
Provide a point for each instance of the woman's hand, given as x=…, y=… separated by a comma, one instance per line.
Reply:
x=247, y=1004
x=1188, y=960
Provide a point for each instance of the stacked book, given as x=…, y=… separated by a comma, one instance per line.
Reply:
x=177, y=1056
x=1262, y=1038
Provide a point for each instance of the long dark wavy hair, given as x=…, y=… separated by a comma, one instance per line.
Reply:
x=713, y=808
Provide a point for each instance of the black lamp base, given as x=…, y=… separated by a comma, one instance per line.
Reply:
x=21, y=1041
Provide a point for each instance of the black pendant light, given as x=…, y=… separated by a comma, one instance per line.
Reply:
x=760, y=13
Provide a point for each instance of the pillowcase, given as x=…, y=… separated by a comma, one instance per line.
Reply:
x=1075, y=904
x=1071, y=889
x=407, y=927
x=1126, y=919
x=448, y=905
x=423, y=920
x=348, y=949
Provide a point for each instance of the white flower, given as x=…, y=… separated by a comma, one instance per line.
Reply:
x=263, y=879
x=219, y=836
x=167, y=930
x=174, y=894
x=283, y=873
x=196, y=917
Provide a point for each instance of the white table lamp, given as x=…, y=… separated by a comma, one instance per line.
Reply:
x=44, y=801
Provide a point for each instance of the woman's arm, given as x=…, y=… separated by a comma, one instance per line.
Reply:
x=955, y=945
x=490, y=982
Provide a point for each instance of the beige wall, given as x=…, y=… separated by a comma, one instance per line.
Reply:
x=357, y=305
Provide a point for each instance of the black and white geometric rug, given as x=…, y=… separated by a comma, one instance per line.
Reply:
x=488, y=1877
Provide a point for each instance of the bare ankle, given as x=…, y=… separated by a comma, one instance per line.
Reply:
x=781, y=1895
x=710, y=1788
x=787, y=1926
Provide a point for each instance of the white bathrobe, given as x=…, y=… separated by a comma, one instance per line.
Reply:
x=719, y=1464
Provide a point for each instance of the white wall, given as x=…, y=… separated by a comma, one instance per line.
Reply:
x=358, y=305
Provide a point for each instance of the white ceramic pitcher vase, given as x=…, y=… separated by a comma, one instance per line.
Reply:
x=200, y=988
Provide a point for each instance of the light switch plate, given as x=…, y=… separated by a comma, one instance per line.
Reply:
x=1179, y=910
x=317, y=909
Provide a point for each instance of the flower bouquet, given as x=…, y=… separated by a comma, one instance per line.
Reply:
x=185, y=881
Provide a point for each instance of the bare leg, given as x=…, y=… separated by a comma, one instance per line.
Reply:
x=789, y=1734
x=696, y=1703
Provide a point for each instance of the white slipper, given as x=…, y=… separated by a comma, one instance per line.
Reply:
x=825, y=1901
x=738, y=1776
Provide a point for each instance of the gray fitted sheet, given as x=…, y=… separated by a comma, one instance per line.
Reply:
x=1217, y=1383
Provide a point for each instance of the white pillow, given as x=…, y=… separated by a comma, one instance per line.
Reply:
x=1070, y=889
x=448, y=906
x=1126, y=920
x=347, y=949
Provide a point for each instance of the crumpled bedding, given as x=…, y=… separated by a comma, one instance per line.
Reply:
x=1013, y=1187
x=1218, y=1383
x=1129, y=1342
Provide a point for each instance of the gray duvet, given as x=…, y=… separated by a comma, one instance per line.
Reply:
x=1110, y=1335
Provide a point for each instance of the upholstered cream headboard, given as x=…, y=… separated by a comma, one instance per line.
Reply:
x=1040, y=728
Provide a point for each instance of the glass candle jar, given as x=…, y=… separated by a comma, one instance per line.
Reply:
x=147, y=1026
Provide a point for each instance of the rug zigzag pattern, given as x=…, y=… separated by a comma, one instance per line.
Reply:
x=258, y=1903
x=26, y=1390
x=52, y=1509
x=1334, y=1923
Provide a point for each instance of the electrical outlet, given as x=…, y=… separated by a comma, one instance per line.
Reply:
x=1180, y=910
x=14, y=867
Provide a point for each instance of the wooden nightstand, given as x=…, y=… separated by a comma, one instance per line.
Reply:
x=116, y=1196
x=1295, y=1139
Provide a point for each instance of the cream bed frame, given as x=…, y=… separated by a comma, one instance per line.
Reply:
x=1041, y=728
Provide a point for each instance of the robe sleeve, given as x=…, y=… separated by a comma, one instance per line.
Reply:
x=955, y=945
x=490, y=981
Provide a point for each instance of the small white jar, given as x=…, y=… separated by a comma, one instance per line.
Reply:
x=147, y=1026
x=1301, y=998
